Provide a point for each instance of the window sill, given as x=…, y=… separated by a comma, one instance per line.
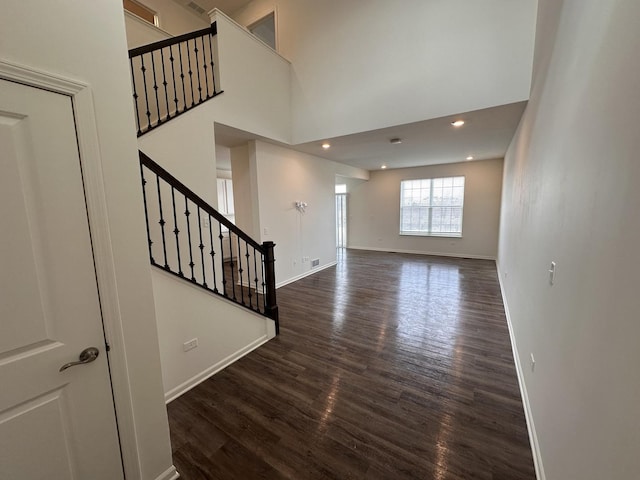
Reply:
x=436, y=235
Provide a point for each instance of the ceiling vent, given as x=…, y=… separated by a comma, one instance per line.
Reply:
x=196, y=7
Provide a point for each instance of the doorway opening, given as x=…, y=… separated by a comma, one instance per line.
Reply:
x=341, y=216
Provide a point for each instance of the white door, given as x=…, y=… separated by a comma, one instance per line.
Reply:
x=53, y=425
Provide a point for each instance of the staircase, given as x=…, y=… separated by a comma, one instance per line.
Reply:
x=187, y=237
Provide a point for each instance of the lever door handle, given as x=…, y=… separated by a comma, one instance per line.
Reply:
x=88, y=355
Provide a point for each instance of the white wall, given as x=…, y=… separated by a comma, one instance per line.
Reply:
x=283, y=177
x=225, y=332
x=570, y=196
x=86, y=41
x=173, y=20
x=368, y=64
x=374, y=211
x=140, y=32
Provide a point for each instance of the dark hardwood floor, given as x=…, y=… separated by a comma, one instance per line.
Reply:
x=388, y=366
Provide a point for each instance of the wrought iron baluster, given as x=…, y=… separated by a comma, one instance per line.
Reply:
x=135, y=96
x=187, y=213
x=264, y=293
x=146, y=214
x=255, y=271
x=173, y=77
x=224, y=275
x=184, y=92
x=176, y=231
x=193, y=102
x=233, y=281
x=201, y=247
x=248, y=265
x=155, y=87
x=162, y=223
x=195, y=51
x=213, y=75
x=213, y=257
x=240, y=270
x=165, y=83
x=146, y=92
x=204, y=66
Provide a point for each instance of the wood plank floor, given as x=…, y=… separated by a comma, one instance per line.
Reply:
x=388, y=366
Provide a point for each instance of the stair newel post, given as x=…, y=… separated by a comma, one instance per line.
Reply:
x=271, y=307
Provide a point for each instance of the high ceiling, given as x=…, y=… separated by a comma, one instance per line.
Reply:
x=226, y=6
x=486, y=134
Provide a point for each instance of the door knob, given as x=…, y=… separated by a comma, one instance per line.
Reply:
x=88, y=355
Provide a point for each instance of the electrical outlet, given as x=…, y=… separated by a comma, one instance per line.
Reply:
x=305, y=259
x=533, y=363
x=190, y=345
x=205, y=221
x=265, y=231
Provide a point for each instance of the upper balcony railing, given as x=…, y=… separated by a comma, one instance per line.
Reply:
x=172, y=76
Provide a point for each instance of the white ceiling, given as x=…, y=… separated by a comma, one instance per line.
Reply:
x=226, y=6
x=486, y=134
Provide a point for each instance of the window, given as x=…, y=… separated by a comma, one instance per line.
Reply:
x=265, y=29
x=341, y=188
x=141, y=11
x=432, y=206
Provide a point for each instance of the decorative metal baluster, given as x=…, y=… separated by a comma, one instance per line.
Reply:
x=195, y=51
x=213, y=257
x=165, y=83
x=255, y=270
x=213, y=75
x=193, y=101
x=173, y=77
x=146, y=214
x=240, y=270
x=224, y=275
x=271, y=307
x=162, y=223
x=264, y=292
x=155, y=87
x=201, y=247
x=186, y=214
x=248, y=265
x=184, y=92
x=204, y=66
x=135, y=97
x=233, y=281
x=146, y=93
x=176, y=231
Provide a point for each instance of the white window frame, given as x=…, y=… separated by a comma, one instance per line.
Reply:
x=430, y=206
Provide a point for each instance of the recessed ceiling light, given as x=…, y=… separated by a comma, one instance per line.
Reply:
x=395, y=141
x=383, y=167
x=470, y=157
x=458, y=123
x=326, y=145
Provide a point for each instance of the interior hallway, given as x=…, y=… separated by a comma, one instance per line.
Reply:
x=387, y=366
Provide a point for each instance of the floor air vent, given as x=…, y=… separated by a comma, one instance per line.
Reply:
x=315, y=262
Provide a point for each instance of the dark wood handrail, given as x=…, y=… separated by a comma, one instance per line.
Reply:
x=134, y=52
x=195, y=198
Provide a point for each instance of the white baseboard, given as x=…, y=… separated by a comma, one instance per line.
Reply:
x=212, y=370
x=418, y=252
x=305, y=274
x=170, y=474
x=533, y=437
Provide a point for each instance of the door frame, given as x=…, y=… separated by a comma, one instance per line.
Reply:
x=95, y=198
